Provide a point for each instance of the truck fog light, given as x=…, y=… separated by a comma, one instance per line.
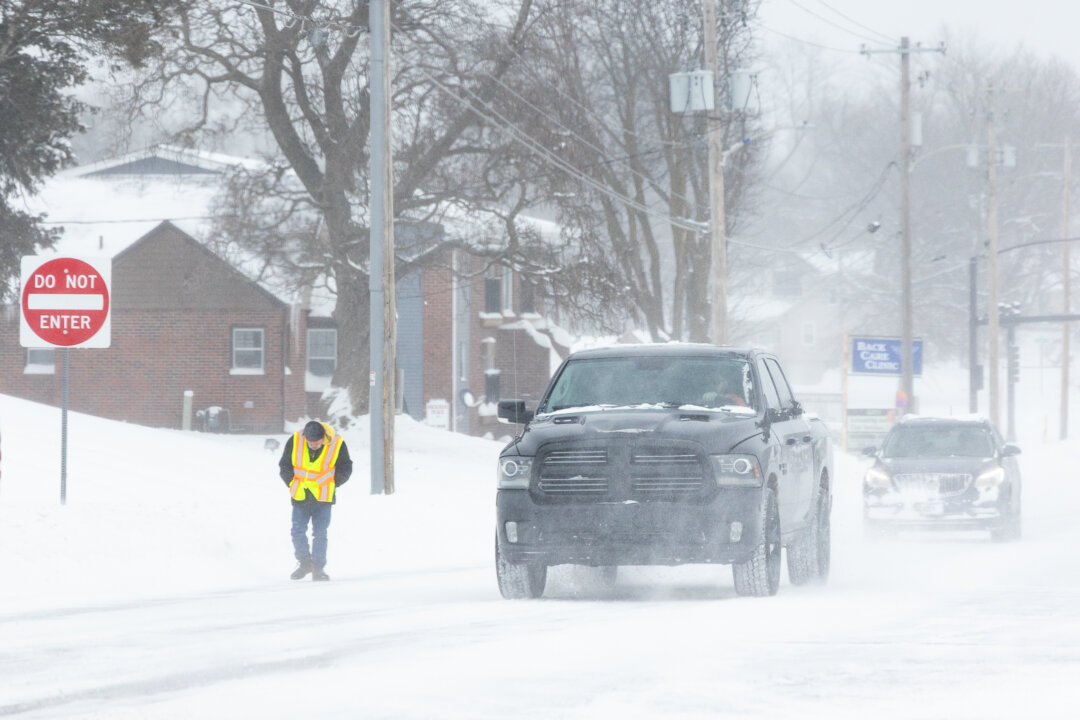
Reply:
x=736, y=531
x=511, y=531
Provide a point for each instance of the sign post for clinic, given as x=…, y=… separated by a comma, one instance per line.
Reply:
x=65, y=304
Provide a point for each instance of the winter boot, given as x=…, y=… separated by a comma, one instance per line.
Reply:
x=317, y=573
x=302, y=569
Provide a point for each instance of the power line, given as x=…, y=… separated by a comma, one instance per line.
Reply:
x=806, y=42
x=830, y=22
x=853, y=21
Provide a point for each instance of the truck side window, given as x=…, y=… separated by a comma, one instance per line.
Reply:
x=786, y=398
x=768, y=389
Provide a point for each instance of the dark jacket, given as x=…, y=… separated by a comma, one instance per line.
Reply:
x=342, y=469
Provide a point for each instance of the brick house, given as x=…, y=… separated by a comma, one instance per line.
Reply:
x=468, y=337
x=183, y=320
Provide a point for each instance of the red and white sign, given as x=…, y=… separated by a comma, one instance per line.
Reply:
x=65, y=302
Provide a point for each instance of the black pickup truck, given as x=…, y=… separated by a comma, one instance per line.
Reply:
x=664, y=454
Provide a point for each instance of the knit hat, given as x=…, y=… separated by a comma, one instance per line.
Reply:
x=314, y=431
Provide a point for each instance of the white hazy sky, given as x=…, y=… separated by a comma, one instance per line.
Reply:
x=1046, y=26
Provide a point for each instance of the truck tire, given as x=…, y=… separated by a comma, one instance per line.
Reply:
x=519, y=581
x=760, y=575
x=809, y=556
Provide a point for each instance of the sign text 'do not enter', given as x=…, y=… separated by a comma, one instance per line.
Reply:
x=65, y=303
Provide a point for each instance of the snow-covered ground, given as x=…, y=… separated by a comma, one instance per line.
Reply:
x=161, y=590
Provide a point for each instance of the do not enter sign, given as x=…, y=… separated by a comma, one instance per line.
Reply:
x=65, y=302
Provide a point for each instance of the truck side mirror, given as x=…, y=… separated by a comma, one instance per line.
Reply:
x=869, y=451
x=1009, y=450
x=514, y=411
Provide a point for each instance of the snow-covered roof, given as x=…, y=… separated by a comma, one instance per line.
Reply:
x=105, y=207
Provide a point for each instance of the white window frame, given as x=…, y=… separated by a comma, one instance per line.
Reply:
x=310, y=356
x=238, y=369
x=508, y=291
x=36, y=365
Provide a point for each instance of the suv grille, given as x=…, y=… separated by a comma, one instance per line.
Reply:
x=932, y=483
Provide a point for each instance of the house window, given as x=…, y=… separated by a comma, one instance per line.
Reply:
x=527, y=303
x=322, y=351
x=491, y=387
x=808, y=334
x=492, y=294
x=247, y=351
x=40, y=361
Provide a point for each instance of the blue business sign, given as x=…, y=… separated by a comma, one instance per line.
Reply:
x=883, y=356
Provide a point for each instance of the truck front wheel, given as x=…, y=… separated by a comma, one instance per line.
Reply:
x=519, y=581
x=760, y=575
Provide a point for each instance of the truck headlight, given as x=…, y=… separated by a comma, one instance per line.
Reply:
x=736, y=470
x=990, y=478
x=877, y=479
x=514, y=472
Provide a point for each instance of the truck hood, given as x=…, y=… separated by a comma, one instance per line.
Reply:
x=716, y=431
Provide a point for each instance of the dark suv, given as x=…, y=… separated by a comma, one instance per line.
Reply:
x=944, y=473
x=662, y=455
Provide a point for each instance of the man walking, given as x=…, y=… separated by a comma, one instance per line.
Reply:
x=314, y=462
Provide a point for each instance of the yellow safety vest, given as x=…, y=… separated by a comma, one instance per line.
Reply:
x=315, y=475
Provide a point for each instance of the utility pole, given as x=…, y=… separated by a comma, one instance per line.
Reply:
x=907, y=360
x=1065, y=210
x=381, y=216
x=992, y=254
x=718, y=267
x=907, y=352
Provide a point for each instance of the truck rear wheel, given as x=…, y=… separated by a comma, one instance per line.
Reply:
x=809, y=556
x=519, y=581
x=760, y=575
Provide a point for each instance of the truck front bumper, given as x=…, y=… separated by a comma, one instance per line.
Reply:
x=724, y=529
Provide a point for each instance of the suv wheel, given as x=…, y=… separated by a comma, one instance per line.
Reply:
x=1010, y=531
x=760, y=575
x=519, y=581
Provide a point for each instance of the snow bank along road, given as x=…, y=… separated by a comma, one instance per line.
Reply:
x=175, y=604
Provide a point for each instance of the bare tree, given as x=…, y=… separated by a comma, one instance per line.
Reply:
x=300, y=69
x=636, y=206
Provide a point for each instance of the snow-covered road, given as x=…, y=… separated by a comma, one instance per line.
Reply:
x=122, y=614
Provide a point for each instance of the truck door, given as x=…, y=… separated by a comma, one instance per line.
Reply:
x=792, y=432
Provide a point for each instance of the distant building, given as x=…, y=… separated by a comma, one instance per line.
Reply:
x=257, y=358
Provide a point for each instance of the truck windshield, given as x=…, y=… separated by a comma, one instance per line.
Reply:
x=939, y=441
x=708, y=382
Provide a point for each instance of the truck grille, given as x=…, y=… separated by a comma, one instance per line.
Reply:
x=621, y=471
x=570, y=473
x=932, y=483
x=665, y=472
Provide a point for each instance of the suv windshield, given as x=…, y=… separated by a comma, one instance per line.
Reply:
x=938, y=441
x=709, y=382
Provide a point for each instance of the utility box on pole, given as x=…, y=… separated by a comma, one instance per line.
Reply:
x=691, y=91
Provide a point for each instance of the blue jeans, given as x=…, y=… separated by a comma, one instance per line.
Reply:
x=319, y=515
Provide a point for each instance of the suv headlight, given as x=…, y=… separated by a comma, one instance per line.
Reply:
x=514, y=472
x=736, y=470
x=877, y=479
x=990, y=478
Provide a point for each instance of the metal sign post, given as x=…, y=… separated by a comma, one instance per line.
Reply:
x=65, y=304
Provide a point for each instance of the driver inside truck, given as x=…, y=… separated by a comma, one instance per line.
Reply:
x=723, y=392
